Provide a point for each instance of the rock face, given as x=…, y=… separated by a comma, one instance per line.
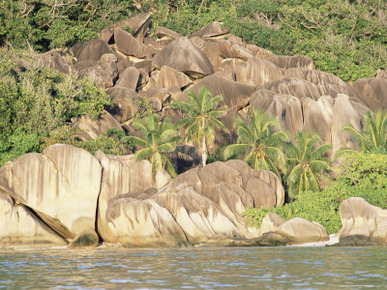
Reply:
x=91, y=129
x=199, y=206
x=248, y=77
x=363, y=224
x=372, y=92
x=183, y=56
x=58, y=189
x=276, y=231
x=67, y=196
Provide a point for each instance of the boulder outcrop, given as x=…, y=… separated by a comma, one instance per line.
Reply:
x=363, y=224
x=59, y=189
x=183, y=56
x=68, y=196
x=291, y=232
x=372, y=92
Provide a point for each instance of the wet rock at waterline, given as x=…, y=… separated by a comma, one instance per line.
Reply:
x=363, y=223
x=57, y=189
x=68, y=196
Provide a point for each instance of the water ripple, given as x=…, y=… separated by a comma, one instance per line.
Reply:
x=208, y=268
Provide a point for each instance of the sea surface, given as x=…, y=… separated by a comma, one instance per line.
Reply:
x=110, y=267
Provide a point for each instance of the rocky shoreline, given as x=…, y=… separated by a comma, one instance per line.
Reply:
x=66, y=196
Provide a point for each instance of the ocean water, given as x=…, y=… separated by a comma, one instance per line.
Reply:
x=110, y=267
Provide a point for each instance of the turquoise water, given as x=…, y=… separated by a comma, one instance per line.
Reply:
x=247, y=268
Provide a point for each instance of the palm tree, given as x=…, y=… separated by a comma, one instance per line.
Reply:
x=374, y=135
x=158, y=139
x=258, y=139
x=201, y=118
x=305, y=159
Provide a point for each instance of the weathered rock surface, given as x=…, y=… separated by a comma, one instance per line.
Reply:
x=363, y=224
x=18, y=225
x=91, y=129
x=131, y=46
x=53, y=59
x=103, y=73
x=199, y=206
x=121, y=175
x=167, y=77
x=270, y=223
x=165, y=33
x=294, y=231
x=125, y=103
x=130, y=78
x=90, y=50
x=284, y=61
x=60, y=188
x=87, y=239
x=372, y=92
x=183, y=56
x=235, y=95
x=212, y=29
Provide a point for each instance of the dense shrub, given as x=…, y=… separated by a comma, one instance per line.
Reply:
x=346, y=38
x=363, y=175
x=49, y=24
x=35, y=100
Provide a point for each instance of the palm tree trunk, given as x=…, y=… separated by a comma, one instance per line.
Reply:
x=204, y=152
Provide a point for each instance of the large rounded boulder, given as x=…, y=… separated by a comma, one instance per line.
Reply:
x=185, y=57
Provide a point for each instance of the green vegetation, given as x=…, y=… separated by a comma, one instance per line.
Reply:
x=50, y=24
x=260, y=140
x=346, y=38
x=364, y=175
x=35, y=100
x=305, y=158
x=374, y=135
x=158, y=139
x=201, y=113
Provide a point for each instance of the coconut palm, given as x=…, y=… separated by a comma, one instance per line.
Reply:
x=259, y=140
x=159, y=138
x=201, y=118
x=374, y=135
x=305, y=158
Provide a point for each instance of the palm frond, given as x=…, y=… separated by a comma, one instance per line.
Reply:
x=135, y=141
x=234, y=149
x=169, y=167
x=318, y=152
x=166, y=147
x=344, y=151
x=271, y=166
x=318, y=165
x=143, y=154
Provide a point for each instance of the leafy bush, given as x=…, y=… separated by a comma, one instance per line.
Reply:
x=364, y=175
x=35, y=100
x=109, y=143
x=54, y=24
x=365, y=170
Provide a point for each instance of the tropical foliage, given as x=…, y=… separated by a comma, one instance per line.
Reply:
x=35, y=100
x=364, y=175
x=259, y=141
x=158, y=138
x=201, y=117
x=305, y=158
x=50, y=24
x=346, y=38
x=373, y=138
